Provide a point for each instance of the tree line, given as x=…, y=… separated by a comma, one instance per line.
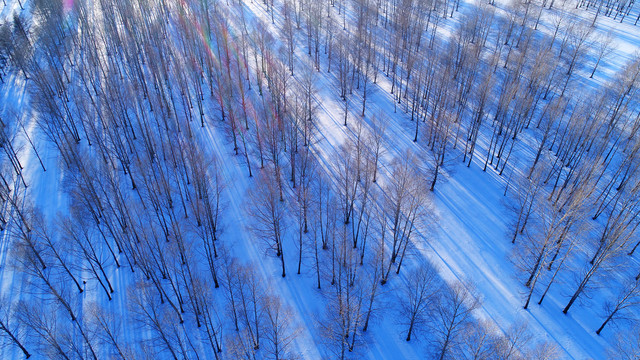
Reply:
x=141, y=101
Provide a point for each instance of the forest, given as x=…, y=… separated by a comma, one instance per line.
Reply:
x=319, y=179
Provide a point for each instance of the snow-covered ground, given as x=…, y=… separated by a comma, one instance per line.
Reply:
x=469, y=243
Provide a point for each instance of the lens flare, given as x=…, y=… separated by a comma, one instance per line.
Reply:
x=67, y=6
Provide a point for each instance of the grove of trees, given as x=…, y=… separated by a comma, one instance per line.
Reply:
x=220, y=179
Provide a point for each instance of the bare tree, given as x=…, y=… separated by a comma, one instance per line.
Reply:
x=579, y=35
x=479, y=342
x=21, y=50
x=628, y=298
x=626, y=347
x=408, y=204
x=605, y=46
x=553, y=226
x=418, y=297
x=344, y=308
x=288, y=31
x=10, y=329
x=53, y=335
x=109, y=329
x=375, y=140
x=280, y=331
x=453, y=313
x=512, y=344
x=440, y=129
x=162, y=324
x=621, y=225
x=250, y=305
x=268, y=215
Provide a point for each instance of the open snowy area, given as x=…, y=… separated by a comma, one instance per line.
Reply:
x=319, y=179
